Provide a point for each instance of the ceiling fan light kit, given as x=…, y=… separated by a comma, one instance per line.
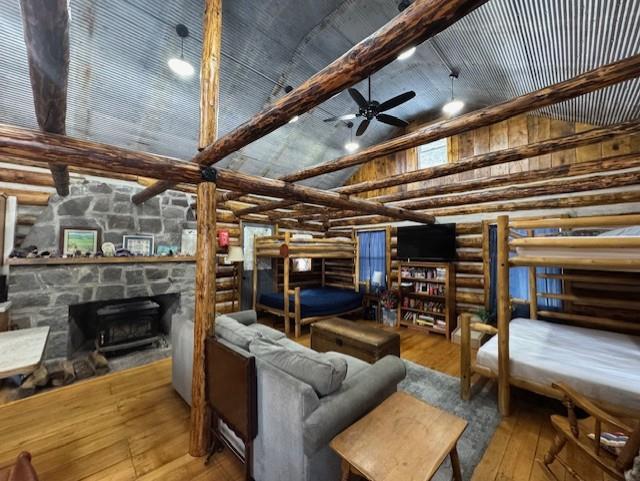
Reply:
x=372, y=109
x=180, y=66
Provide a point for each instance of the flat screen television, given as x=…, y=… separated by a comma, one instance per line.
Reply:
x=433, y=242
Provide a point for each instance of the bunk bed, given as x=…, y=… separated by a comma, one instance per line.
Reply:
x=596, y=355
x=338, y=291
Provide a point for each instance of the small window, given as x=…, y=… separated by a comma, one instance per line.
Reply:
x=432, y=154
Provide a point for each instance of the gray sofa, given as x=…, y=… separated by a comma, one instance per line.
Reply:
x=296, y=419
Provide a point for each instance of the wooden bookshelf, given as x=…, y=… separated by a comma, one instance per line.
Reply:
x=427, y=295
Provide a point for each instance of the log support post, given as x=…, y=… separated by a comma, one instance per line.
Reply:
x=285, y=286
x=465, y=356
x=533, y=288
x=504, y=315
x=204, y=311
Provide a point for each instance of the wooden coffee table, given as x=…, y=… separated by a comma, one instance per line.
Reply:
x=403, y=439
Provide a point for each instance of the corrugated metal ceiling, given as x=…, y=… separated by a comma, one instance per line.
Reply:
x=121, y=91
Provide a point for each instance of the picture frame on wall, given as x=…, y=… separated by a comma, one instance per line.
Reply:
x=189, y=240
x=82, y=239
x=139, y=245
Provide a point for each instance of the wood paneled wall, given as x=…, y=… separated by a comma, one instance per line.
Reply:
x=516, y=131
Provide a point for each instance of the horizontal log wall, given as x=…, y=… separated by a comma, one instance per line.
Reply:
x=519, y=130
x=470, y=288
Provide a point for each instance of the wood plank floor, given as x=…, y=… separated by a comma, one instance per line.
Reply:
x=131, y=425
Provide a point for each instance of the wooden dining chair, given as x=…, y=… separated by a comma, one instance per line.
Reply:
x=576, y=432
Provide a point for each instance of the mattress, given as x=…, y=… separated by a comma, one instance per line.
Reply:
x=320, y=301
x=579, y=252
x=603, y=366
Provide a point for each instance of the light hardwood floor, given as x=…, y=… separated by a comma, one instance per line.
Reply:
x=132, y=425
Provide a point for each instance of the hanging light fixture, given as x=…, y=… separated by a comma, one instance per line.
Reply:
x=179, y=65
x=351, y=146
x=294, y=119
x=453, y=106
x=407, y=53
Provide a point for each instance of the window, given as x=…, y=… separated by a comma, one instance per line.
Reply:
x=373, y=256
x=432, y=154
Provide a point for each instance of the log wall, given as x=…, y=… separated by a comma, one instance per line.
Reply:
x=519, y=130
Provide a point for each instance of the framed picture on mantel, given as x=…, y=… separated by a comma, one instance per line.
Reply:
x=139, y=245
x=79, y=239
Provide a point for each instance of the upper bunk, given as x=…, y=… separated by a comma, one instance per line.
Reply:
x=585, y=243
x=293, y=245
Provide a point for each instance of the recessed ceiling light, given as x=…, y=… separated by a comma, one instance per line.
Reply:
x=294, y=119
x=407, y=53
x=179, y=65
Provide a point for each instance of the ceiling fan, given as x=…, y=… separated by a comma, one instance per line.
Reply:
x=372, y=109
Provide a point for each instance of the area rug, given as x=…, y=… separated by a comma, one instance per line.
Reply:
x=481, y=413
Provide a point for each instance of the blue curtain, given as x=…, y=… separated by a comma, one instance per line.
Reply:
x=373, y=254
x=519, y=277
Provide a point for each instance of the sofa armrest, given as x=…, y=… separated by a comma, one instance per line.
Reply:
x=356, y=398
x=247, y=317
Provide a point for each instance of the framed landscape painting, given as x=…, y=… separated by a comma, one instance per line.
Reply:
x=139, y=245
x=74, y=239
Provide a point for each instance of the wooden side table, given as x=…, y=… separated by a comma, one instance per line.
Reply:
x=371, y=298
x=403, y=439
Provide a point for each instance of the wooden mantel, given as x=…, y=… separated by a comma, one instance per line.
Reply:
x=71, y=261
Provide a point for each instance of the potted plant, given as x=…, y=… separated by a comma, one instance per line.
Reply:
x=389, y=301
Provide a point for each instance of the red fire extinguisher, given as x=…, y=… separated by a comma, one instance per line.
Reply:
x=223, y=238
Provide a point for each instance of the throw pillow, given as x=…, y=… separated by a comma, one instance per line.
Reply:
x=322, y=373
x=235, y=333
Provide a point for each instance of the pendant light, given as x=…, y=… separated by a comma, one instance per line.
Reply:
x=179, y=65
x=351, y=146
x=453, y=106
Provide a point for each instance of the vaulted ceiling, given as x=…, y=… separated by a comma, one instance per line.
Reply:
x=122, y=92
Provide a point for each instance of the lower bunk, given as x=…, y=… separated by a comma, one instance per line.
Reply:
x=310, y=305
x=602, y=366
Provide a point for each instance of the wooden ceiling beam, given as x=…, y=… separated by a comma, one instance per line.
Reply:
x=46, y=35
x=422, y=20
x=20, y=143
x=587, y=82
x=587, y=200
x=513, y=154
x=548, y=187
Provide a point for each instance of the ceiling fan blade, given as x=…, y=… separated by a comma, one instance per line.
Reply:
x=358, y=98
x=395, y=101
x=362, y=127
x=341, y=117
x=391, y=120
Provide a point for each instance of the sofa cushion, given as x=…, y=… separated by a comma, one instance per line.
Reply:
x=235, y=333
x=354, y=365
x=323, y=373
x=267, y=332
x=291, y=345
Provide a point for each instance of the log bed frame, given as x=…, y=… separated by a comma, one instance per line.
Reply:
x=223, y=194
x=470, y=322
x=285, y=247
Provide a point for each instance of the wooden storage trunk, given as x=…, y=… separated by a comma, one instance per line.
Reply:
x=364, y=342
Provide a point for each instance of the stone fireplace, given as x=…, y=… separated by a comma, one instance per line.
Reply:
x=51, y=295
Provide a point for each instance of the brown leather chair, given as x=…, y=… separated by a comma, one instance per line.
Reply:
x=22, y=470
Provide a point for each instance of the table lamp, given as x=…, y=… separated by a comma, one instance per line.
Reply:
x=376, y=280
x=234, y=256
